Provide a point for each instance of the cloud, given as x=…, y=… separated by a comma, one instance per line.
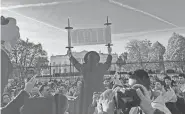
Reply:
x=35, y=20
x=157, y=35
x=143, y=12
x=34, y=5
x=142, y=33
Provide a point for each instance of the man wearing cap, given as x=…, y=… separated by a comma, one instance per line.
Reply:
x=93, y=74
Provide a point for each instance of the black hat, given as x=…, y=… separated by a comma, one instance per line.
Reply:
x=4, y=21
x=175, y=76
x=167, y=77
x=91, y=52
x=142, y=77
x=182, y=75
x=139, y=74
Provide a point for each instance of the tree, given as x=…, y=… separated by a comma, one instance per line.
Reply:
x=124, y=56
x=138, y=51
x=156, y=55
x=26, y=54
x=176, y=51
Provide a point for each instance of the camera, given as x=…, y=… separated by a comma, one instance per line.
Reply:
x=127, y=99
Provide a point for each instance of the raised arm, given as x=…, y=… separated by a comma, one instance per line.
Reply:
x=77, y=65
x=170, y=96
x=108, y=62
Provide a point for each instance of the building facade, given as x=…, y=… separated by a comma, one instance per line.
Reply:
x=61, y=63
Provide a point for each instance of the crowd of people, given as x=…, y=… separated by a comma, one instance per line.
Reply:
x=170, y=89
x=134, y=93
x=66, y=86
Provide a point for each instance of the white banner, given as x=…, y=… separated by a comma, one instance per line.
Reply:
x=91, y=36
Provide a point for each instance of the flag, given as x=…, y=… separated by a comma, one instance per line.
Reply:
x=92, y=36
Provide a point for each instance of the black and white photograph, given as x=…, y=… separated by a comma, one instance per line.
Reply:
x=92, y=57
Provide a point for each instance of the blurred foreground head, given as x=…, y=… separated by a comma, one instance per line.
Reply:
x=9, y=36
x=9, y=31
x=139, y=77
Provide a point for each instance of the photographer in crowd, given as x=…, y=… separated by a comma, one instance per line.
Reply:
x=139, y=81
x=141, y=77
x=106, y=103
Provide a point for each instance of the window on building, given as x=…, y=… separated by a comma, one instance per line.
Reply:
x=53, y=63
x=59, y=70
x=65, y=70
x=53, y=71
x=65, y=62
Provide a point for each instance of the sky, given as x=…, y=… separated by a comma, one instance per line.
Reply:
x=43, y=21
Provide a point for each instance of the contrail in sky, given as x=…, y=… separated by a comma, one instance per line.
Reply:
x=136, y=34
x=43, y=23
x=143, y=12
x=35, y=5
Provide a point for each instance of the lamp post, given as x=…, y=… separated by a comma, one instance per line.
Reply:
x=120, y=63
x=50, y=70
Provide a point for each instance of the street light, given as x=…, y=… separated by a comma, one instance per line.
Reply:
x=120, y=62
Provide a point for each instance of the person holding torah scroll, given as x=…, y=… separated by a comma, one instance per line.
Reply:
x=93, y=74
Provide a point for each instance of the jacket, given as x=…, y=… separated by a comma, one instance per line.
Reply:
x=14, y=106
